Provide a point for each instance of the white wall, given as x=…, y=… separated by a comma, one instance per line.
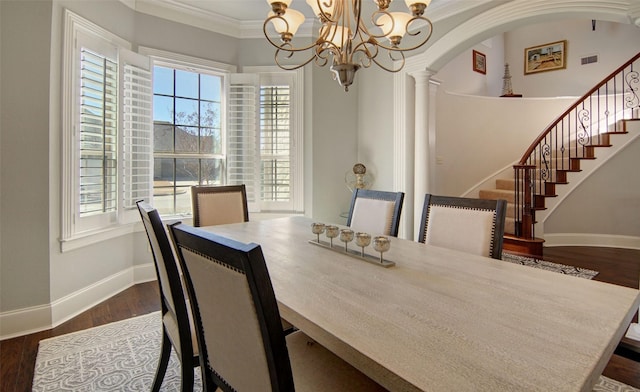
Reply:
x=615, y=212
x=614, y=43
x=375, y=126
x=503, y=127
x=458, y=75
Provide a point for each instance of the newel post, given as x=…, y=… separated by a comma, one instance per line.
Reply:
x=524, y=208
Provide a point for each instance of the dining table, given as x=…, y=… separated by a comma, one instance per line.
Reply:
x=438, y=319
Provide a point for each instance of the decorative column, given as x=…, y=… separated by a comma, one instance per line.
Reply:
x=422, y=161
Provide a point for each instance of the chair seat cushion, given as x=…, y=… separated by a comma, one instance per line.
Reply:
x=466, y=229
x=317, y=369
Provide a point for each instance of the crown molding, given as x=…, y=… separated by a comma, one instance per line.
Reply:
x=198, y=17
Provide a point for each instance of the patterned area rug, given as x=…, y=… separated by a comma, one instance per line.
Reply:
x=549, y=266
x=122, y=356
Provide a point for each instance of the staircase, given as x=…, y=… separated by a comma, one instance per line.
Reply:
x=575, y=136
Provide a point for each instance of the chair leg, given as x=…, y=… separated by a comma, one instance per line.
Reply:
x=186, y=364
x=165, y=352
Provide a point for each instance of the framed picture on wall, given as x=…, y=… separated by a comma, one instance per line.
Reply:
x=547, y=57
x=479, y=62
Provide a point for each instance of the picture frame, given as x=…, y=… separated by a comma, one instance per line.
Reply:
x=546, y=57
x=479, y=62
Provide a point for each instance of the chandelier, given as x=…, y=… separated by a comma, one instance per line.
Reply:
x=344, y=40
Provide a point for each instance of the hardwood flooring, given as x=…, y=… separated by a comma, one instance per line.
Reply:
x=18, y=355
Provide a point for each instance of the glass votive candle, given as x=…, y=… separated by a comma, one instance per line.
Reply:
x=362, y=240
x=317, y=229
x=346, y=236
x=381, y=244
x=331, y=232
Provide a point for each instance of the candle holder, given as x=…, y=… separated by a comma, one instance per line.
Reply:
x=381, y=244
x=363, y=240
x=317, y=229
x=347, y=235
x=331, y=232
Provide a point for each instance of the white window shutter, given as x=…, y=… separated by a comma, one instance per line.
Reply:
x=242, y=136
x=136, y=168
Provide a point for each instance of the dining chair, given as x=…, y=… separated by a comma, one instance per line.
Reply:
x=218, y=205
x=467, y=224
x=177, y=323
x=375, y=212
x=241, y=343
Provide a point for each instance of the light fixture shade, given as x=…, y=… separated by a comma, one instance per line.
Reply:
x=412, y=2
x=391, y=29
x=337, y=34
x=293, y=21
x=328, y=9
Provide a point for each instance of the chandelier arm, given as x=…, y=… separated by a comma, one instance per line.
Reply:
x=291, y=67
x=323, y=16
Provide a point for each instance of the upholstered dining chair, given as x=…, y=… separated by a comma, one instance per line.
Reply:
x=218, y=205
x=375, y=212
x=466, y=224
x=177, y=324
x=241, y=343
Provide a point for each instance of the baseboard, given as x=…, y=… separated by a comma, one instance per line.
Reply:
x=583, y=239
x=39, y=318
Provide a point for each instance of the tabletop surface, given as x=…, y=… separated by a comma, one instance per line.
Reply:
x=443, y=320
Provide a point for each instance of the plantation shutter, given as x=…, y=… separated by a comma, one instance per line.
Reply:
x=98, y=133
x=242, y=138
x=275, y=146
x=137, y=133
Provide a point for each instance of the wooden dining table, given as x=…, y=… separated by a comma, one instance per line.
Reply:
x=440, y=319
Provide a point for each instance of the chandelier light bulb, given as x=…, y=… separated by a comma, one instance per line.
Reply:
x=287, y=24
x=337, y=35
x=394, y=25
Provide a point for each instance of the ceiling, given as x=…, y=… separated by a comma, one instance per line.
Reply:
x=244, y=18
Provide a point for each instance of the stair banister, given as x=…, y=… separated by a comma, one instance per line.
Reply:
x=571, y=137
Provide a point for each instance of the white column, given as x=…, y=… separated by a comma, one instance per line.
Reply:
x=421, y=146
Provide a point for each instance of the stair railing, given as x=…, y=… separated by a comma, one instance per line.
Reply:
x=573, y=136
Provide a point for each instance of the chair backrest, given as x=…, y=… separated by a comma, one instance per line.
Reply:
x=169, y=274
x=219, y=205
x=470, y=225
x=375, y=212
x=240, y=336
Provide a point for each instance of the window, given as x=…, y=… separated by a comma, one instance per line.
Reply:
x=271, y=104
x=106, y=155
x=188, y=135
x=131, y=131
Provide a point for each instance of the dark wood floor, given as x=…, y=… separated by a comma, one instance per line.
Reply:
x=18, y=355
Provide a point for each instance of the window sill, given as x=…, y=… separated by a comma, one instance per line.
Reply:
x=93, y=237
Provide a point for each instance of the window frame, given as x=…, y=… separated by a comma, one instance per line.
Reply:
x=75, y=231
